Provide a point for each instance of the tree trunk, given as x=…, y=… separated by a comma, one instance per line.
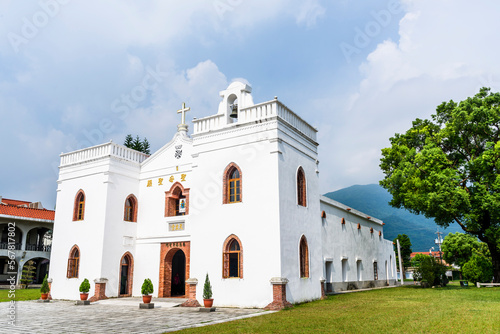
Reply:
x=495, y=261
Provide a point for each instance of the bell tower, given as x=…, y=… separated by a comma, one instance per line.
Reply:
x=235, y=98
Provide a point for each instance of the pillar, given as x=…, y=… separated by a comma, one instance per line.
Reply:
x=49, y=280
x=192, y=301
x=279, y=294
x=100, y=289
x=322, y=282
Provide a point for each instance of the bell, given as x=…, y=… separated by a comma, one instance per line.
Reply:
x=234, y=111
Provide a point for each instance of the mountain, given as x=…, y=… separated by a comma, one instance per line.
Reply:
x=373, y=200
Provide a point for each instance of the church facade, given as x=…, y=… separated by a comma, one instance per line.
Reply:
x=237, y=200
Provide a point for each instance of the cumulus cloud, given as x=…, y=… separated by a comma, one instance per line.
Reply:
x=445, y=51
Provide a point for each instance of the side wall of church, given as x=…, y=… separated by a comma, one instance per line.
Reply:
x=352, y=244
x=296, y=221
x=89, y=234
x=254, y=220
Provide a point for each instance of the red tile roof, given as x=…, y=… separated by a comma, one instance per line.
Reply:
x=14, y=202
x=19, y=211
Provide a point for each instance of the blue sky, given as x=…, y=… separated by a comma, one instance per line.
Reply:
x=359, y=71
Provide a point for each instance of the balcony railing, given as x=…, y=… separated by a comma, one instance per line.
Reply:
x=100, y=151
x=258, y=112
x=38, y=248
x=5, y=245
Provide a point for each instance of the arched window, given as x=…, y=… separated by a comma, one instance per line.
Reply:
x=177, y=201
x=232, y=258
x=79, y=208
x=73, y=262
x=232, y=184
x=301, y=187
x=304, y=257
x=130, y=209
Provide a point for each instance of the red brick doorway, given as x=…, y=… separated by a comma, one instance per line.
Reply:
x=174, y=269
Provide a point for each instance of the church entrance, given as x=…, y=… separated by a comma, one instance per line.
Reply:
x=178, y=277
x=126, y=272
x=174, y=269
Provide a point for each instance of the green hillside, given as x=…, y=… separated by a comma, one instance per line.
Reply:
x=373, y=200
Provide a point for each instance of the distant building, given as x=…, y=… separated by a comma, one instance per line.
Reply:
x=26, y=229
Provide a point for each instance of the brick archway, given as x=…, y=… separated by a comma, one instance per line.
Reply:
x=168, y=251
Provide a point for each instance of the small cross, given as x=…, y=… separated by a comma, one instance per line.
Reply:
x=183, y=112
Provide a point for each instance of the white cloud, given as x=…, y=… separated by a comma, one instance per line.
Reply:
x=310, y=11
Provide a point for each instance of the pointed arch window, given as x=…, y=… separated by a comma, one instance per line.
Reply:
x=130, y=214
x=177, y=201
x=301, y=187
x=232, y=184
x=79, y=208
x=304, y=257
x=73, y=263
x=232, y=258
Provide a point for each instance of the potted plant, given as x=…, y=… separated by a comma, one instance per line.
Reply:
x=147, y=290
x=44, y=289
x=84, y=289
x=207, y=293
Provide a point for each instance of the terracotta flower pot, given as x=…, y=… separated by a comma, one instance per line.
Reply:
x=146, y=299
x=208, y=302
x=84, y=296
x=45, y=296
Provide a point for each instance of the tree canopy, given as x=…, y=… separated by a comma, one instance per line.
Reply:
x=137, y=144
x=458, y=248
x=448, y=168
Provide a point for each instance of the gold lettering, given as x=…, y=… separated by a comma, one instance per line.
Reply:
x=160, y=181
x=150, y=183
x=183, y=177
x=171, y=179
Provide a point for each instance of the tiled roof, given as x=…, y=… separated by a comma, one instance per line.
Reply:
x=19, y=211
x=14, y=202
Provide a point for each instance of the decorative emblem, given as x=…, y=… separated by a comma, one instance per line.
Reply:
x=178, y=152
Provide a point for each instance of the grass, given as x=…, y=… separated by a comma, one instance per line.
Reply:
x=21, y=294
x=407, y=309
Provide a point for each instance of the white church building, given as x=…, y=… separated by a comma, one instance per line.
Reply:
x=237, y=199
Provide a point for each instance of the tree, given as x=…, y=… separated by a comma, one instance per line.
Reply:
x=478, y=269
x=458, y=248
x=137, y=144
x=27, y=275
x=405, y=245
x=448, y=168
x=430, y=270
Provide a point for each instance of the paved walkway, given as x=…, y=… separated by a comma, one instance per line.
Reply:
x=113, y=316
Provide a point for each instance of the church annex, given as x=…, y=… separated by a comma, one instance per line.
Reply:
x=237, y=199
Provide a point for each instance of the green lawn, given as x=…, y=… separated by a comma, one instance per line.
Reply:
x=408, y=309
x=21, y=294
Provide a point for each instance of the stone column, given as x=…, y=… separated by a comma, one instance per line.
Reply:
x=322, y=281
x=192, y=301
x=100, y=289
x=279, y=294
x=49, y=280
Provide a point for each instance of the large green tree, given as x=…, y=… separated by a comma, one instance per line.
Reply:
x=448, y=168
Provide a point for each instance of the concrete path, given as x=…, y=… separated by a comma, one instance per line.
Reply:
x=117, y=315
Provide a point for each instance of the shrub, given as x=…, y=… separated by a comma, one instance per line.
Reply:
x=478, y=269
x=45, y=286
x=147, y=287
x=431, y=271
x=85, y=286
x=27, y=275
x=207, y=289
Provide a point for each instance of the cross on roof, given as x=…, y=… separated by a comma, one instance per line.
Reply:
x=183, y=111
